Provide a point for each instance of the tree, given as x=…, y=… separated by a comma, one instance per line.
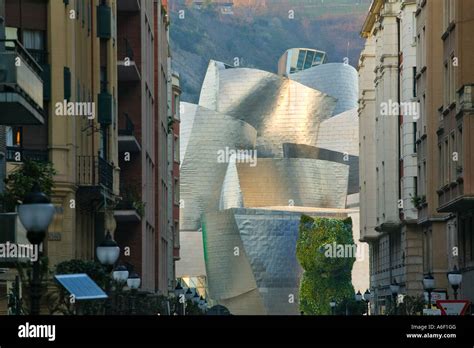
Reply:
x=21, y=181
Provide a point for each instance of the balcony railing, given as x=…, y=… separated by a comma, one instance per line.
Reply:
x=128, y=68
x=19, y=154
x=127, y=139
x=94, y=171
x=126, y=126
x=21, y=86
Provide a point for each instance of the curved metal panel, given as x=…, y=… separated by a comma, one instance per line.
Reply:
x=338, y=80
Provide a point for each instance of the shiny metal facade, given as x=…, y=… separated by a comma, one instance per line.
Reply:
x=248, y=206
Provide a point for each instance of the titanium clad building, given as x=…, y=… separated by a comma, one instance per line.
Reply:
x=257, y=152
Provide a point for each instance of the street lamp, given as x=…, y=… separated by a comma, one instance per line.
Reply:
x=395, y=289
x=332, y=304
x=202, y=304
x=108, y=252
x=429, y=285
x=179, y=293
x=133, y=282
x=358, y=296
x=189, y=294
x=121, y=274
x=196, y=297
x=367, y=297
x=455, y=280
x=36, y=213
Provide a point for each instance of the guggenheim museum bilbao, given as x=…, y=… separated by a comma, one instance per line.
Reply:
x=258, y=151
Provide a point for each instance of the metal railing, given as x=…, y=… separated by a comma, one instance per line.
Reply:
x=19, y=154
x=94, y=171
x=126, y=126
x=125, y=50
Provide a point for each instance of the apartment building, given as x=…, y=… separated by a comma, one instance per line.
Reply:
x=174, y=193
x=144, y=88
x=388, y=115
x=68, y=49
x=452, y=137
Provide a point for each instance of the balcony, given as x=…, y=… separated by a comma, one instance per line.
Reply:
x=128, y=70
x=19, y=154
x=128, y=5
x=131, y=208
x=21, y=86
x=94, y=171
x=126, y=136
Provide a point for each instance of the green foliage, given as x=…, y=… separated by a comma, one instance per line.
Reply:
x=325, y=278
x=59, y=300
x=411, y=305
x=21, y=181
x=92, y=268
x=25, y=272
x=349, y=306
x=131, y=199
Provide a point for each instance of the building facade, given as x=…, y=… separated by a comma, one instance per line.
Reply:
x=74, y=45
x=111, y=156
x=388, y=114
x=453, y=141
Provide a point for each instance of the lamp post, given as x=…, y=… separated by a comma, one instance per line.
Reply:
x=395, y=289
x=188, y=295
x=36, y=213
x=202, y=304
x=332, y=304
x=120, y=275
x=108, y=253
x=455, y=280
x=133, y=283
x=367, y=296
x=196, y=297
x=429, y=285
x=179, y=293
x=358, y=296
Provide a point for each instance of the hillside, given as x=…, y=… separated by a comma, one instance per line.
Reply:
x=258, y=32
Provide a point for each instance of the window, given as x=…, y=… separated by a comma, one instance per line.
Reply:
x=445, y=162
x=309, y=60
x=452, y=163
x=11, y=34
x=104, y=132
x=34, y=42
x=446, y=95
x=414, y=82
x=415, y=130
x=440, y=168
x=176, y=149
x=14, y=136
x=452, y=80
x=176, y=191
x=301, y=56
x=103, y=79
